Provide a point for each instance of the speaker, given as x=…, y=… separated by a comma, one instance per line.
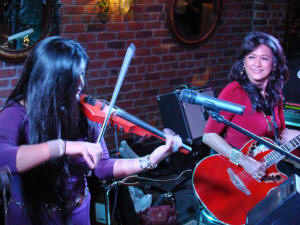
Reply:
x=280, y=207
x=187, y=120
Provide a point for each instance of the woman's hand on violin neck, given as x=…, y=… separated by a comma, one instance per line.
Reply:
x=173, y=143
x=173, y=140
x=90, y=152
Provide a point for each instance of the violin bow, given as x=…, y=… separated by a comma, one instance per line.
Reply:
x=129, y=54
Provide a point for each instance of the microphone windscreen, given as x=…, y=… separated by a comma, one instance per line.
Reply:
x=188, y=96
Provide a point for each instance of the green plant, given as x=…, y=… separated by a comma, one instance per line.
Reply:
x=103, y=10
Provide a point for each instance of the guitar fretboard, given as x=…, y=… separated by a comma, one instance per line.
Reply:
x=275, y=156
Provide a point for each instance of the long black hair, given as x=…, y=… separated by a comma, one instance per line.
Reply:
x=277, y=77
x=47, y=87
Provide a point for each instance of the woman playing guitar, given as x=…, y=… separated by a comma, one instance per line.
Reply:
x=257, y=78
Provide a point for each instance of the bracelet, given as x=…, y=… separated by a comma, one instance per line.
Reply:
x=146, y=164
x=235, y=156
x=57, y=148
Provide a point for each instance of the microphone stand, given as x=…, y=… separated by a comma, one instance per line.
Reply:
x=215, y=114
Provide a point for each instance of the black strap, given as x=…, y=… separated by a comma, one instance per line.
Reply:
x=275, y=128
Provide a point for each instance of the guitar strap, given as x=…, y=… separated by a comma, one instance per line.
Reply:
x=275, y=128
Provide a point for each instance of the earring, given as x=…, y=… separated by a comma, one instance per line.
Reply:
x=243, y=69
x=274, y=67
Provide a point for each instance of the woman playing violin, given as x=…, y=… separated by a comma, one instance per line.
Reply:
x=48, y=143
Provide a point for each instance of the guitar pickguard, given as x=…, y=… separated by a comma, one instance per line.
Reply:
x=272, y=177
x=256, y=149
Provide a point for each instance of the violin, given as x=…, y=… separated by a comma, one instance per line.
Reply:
x=96, y=111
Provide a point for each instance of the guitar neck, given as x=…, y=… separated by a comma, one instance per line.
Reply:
x=274, y=157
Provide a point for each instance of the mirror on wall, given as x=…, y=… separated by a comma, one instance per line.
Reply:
x=23, y=23
x=192, y=21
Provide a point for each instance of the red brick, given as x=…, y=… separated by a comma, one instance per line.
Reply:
x=125, y=35
x=159, y=83
x=96, y=64
x=3, y=83
x=135, y=26
x=5, y=92
x=115, y=63
x=106, y=55
x=95, y=27
x=14, y=82
x=75, y=28
x=73, y=9
x=7, y=72
x=115, y=27
x=116, y=44
x=86, y=37
x=152, y=59
x=95, y=45
x=142, y=52
x=133, y=95
x=96, y=83
x=144, y=34
x=65, y=19
x=142, y=85
x=105, y=36
x=153, y=25
x=141, y=102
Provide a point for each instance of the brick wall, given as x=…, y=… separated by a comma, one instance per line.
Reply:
x=160, y=63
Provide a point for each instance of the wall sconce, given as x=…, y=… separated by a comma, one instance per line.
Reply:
x=121, y=7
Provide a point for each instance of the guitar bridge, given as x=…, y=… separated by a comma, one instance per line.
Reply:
x=237, y=182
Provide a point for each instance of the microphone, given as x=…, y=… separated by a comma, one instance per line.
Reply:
x=193, y=97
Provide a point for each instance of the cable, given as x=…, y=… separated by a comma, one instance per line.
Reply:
x=165, y=180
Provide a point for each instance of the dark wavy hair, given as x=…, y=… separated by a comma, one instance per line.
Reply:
x=48, y=86
x=277, y=77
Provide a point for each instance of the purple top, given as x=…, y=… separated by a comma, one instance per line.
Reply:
x=13, y=133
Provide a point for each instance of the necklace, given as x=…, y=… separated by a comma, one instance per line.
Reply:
x=269, y=123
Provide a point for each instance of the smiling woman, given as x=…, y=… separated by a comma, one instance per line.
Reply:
x=258, y=65
x=23, y=24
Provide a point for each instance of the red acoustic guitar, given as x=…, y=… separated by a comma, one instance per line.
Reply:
x=227, y=191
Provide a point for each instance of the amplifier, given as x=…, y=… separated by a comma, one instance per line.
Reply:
x=187, y=120
x=280, y=207
x=292, y=115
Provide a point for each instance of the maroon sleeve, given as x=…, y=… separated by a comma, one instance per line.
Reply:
x=281, y=116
